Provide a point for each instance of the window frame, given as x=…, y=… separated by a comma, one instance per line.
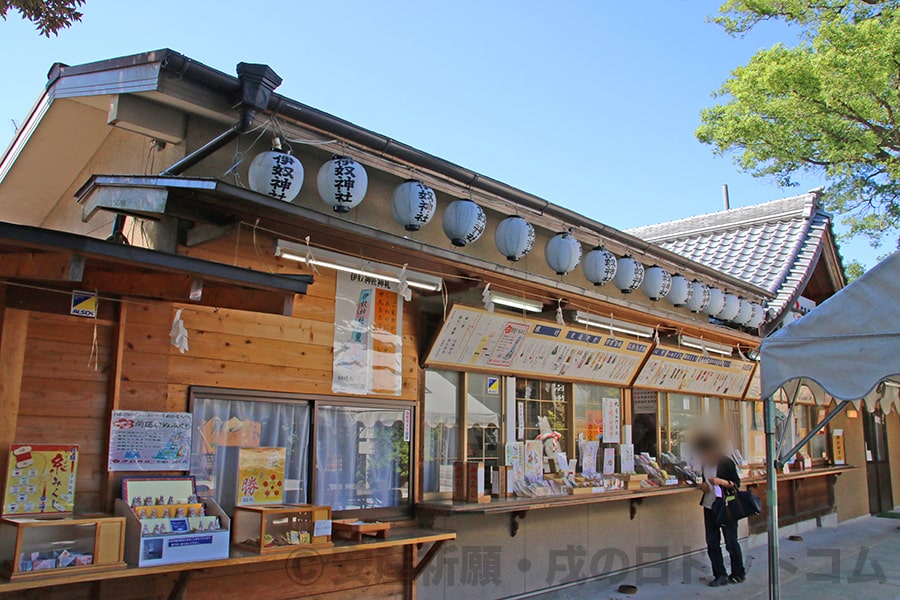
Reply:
x=401, y=512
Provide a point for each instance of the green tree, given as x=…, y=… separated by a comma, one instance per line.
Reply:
x=828, y=105
x=48, y=16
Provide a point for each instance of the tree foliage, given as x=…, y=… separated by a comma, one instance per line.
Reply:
x=48, y=16
x=829, y=105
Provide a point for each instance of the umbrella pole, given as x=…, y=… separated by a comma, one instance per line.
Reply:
x=772, y=497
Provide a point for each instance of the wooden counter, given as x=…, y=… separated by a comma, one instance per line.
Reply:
x=509, y=505
x=408, y=538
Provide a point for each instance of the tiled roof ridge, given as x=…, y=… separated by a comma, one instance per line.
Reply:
x=788, y=208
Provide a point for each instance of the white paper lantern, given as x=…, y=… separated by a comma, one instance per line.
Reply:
x=276, y=174
x=413, y=204
x=745, y=311
x=681, y=291
x=563, y=253
x=657, y=283
x=730, y=309
x=716, y=301
x=629, y=274
x=464, y=222
x=757, y=316
x=700, y=297
x=342, y=183
x=514, y=237
x=599, y=265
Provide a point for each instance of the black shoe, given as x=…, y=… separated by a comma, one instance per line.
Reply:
x=719, y=581
x=736, y=578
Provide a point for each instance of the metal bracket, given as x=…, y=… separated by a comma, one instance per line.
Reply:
x=514, y=520
x=423, y=562
x=633, y=504
x=181, y=585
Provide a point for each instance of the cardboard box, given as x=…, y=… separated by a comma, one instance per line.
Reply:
x=146, y=550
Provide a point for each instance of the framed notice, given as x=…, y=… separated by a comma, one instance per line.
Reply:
x=474, y=339
x=368, y=336
x=260, y=476
x=150, y=441
x=40, y=479
x=612, y=421
x=675, y=370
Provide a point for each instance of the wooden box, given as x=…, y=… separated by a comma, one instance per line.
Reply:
x=353, y=529
x=266, y=528
x=43, y=546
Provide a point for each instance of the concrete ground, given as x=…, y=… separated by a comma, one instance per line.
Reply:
x=859, y=560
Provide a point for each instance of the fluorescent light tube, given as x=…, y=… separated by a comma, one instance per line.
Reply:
x=516, y=302
x=698, y=344
x=358, y=266
x=611, y=324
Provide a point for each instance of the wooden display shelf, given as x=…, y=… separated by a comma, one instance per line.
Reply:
x=515, y=505
x=353, y=529
x=819, y=472
x=399, y=537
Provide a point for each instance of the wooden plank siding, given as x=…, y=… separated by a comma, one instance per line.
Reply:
x=63, y=399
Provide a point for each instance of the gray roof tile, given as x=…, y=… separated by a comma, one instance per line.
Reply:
x=774, y=245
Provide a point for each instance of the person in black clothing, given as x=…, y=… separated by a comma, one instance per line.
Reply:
x=719, y=472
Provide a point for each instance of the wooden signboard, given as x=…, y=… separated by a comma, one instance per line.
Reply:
x=476, y=340
x=676, y=370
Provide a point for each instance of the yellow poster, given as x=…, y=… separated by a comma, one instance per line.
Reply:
x=260, y=476
x=40, y=479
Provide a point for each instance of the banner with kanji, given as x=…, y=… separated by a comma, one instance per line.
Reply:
x=368, y=334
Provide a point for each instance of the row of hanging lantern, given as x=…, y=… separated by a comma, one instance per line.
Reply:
x=342, y=183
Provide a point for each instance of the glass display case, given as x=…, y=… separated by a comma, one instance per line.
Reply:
x=43, y=545
x=281, y=527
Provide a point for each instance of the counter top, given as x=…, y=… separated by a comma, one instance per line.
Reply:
x=396, y=538
x=515, y=504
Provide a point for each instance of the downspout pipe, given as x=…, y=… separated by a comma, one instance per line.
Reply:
x=257, y=82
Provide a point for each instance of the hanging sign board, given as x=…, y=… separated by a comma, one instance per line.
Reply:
x=675, y=370
x=149, y=441
x=474, y=339
x=754, y=390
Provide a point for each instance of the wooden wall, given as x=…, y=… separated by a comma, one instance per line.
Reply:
x=64, y=399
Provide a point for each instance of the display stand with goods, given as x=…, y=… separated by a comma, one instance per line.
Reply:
x=41, y=546
x=39, y=534
x=167, y=523
x=268, y=528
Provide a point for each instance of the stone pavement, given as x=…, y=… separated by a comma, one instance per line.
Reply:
x=859, y=560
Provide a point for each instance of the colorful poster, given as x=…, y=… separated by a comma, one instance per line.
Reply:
x=149, y=441
x=505, y=344
x=675, y=370
x=612, y=421
x=40, y=479
x=368, y=336
x=260, y=476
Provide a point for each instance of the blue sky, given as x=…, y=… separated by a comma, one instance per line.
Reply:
x=592, y=105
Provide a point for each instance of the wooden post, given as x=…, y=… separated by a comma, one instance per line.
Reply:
x=114, y=387
x=12, y=362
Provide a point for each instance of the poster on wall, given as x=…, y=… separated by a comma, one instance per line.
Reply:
x=368, y=334
x=260, y=476
x=40, y=479
x=504, y=344
x=149, y=441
